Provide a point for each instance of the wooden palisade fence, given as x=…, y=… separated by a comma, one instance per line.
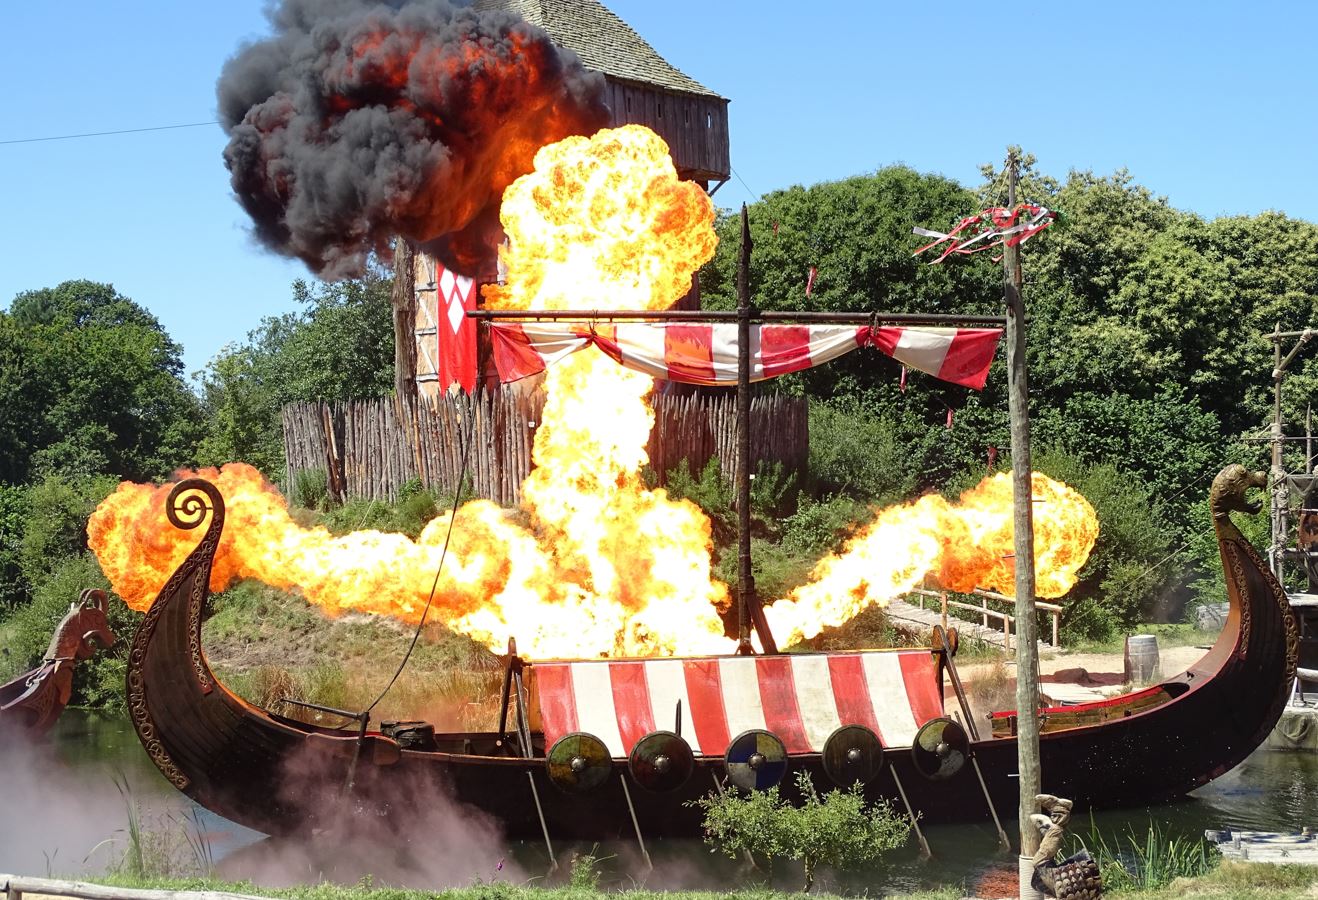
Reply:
x=369, y=449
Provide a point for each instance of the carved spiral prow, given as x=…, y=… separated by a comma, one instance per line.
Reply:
x=185, y=507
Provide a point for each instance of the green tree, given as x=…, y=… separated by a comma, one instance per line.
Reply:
x=90, y=384
x=856, y=233
x=339, y=346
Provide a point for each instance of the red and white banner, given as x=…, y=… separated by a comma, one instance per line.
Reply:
x=800, y=697
x=707, y=354
x=455, y=332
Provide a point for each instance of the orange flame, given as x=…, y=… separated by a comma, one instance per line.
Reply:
x=605, y=566
x=960, y=546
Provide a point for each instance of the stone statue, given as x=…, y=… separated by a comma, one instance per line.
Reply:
x=1074, y=878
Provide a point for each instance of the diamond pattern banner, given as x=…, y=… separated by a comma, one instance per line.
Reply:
x=455, y=296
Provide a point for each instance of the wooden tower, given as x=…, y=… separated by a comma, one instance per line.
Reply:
x=642, y=88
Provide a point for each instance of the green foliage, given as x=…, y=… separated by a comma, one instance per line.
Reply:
x=584, y=874
x=1132, y=574
x=56, y=527
x=819, y=526
x=310, y=489
x=161, y=846
x=14, y=513
x=854, y=453
x=1167, y=441
x=835, y=829
x=90, y=384
x=338, y=347
x=407, y=516
x=1150, y=861
x=708, y=490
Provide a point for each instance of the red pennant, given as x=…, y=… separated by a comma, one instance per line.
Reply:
x=455, y=296
x=992, y=457
x=949, y=417
x=775, y=227
x=902, y=383
x=810, y=282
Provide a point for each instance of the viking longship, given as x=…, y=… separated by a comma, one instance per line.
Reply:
x=31, y=703
x=605, y=748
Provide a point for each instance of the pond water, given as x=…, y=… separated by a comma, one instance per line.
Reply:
x=76, y=790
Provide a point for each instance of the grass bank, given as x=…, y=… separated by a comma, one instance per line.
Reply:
x=485, y=891
x=1228, y=881
x=268, y=646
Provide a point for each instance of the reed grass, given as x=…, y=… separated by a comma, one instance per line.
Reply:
x=166, y=846
x=1150, y=861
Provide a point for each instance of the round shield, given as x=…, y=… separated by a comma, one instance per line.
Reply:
x=940, y=749
x=852, y=753
x=661, y=761
x=953, y=641
x=578, y=762
x=756, y=760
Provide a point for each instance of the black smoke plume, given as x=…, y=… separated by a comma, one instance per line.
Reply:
x=358, y=120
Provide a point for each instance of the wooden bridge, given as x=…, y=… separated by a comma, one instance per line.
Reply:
x=929, y=608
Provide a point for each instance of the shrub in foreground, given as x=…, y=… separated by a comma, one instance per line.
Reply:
x=835, y=829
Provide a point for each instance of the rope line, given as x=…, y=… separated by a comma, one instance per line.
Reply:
x=453, y=517
x=69, y=137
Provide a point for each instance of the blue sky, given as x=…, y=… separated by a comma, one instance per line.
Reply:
x=1209, y=104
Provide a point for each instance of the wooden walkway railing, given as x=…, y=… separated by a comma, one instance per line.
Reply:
x=987, y=612
x=369, y=449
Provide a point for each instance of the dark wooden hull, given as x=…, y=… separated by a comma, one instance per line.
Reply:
x=31, y=703
x=280, y=776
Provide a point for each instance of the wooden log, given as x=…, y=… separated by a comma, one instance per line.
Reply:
x=17, y=885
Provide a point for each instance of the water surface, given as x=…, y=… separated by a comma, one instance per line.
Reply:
x=80, y=784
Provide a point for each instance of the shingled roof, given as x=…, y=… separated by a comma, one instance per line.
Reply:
x=604, y=42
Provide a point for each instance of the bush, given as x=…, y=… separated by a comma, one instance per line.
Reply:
x=56, y=526
x=854, y=454
x=834, y=829
x=776, y=568
x=820, y=526
x=311, y=489
x=14, y=589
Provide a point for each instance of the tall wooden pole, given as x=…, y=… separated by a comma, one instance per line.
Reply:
x=1278, y=499
x=749, y=611
x=745, y=577
x=1027, y=676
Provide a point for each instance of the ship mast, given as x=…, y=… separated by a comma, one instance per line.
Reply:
x=748, y=602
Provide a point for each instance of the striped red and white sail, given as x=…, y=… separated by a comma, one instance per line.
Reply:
x=801, y=697
x=707, y=353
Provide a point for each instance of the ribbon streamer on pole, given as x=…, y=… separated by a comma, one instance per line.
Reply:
x=994, y=227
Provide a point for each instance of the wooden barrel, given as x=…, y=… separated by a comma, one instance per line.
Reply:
x=1141, y=657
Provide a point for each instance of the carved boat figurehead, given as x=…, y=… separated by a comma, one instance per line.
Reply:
x=84, y=630
x=36, y=698
x=1230, y=492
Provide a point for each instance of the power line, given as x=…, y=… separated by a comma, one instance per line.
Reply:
x=744, y=184
x=69, y=137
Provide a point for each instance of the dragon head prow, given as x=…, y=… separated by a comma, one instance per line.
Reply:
x=1229, y=492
